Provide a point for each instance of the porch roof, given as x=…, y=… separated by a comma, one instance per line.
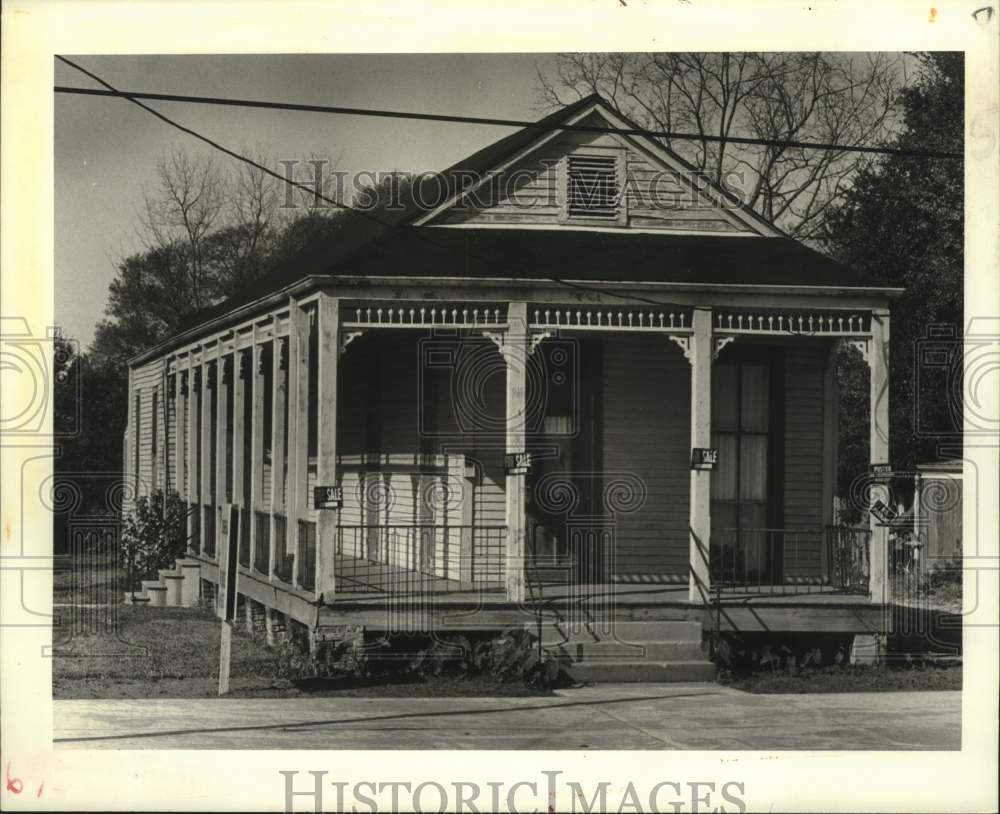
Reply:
x=567, y=254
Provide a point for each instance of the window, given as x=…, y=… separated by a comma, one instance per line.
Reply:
x=592, y=187
x=744, y=429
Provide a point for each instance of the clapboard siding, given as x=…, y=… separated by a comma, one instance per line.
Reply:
x=647, y=387
x=803, y=456
x=532, y=191
x=147, y=380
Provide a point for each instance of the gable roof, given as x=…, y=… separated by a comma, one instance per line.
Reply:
x=572, y=118
x=384, y=243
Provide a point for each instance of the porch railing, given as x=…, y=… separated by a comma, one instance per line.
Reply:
x=307, y=554
x=849, y=556
x=244, y=538
x=208, y=527
x=194, y=537
x=420, y=559
x=283, y=557
x=774, y=560
x=262, y=540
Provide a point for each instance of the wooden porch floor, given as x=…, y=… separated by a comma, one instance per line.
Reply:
x=365, y=582
x=392, y=597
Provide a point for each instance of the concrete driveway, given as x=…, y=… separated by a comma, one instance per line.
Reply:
x=669, y=716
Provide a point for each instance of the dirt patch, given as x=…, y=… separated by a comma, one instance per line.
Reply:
x=138, y=652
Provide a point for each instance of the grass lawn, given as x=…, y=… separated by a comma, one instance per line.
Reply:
x=174, y=653
x=851, y=678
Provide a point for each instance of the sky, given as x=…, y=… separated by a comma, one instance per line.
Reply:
x=106, y=148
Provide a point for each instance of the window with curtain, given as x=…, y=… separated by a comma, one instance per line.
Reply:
x=740, y=422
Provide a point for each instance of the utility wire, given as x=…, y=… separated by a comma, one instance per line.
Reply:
x=331, y=201
x=439, y=117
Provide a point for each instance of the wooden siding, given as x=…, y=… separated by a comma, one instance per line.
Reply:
x=146, y=380
x=533, y=191
x=803, y=460
x=647, y=404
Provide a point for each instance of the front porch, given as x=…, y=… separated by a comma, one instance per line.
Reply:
x=608, y=403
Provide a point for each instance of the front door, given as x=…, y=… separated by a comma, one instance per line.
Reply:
x=564, y=485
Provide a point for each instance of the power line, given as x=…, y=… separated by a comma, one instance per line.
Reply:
x=440, y=117
x=215, y=145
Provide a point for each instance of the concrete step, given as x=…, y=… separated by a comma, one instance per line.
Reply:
x=156, y=591
x=642, y=671
x=612, y=650
x=174, y=584
x=136, y=598
x=623, y=631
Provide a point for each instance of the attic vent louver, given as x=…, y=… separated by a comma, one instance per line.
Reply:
x=593, y=187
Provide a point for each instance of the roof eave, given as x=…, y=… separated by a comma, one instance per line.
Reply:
x=306, y=284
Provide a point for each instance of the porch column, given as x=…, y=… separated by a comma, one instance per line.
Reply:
x=878, y=363
x=327, y=348
x=180, y=401
x=207, y=498
x=298, y=426
x=831, y=422
x=256, y=446
x=279, y=367
x=223, y=377
x=237, y=493
x=190, y=470
x=700, y=520
x=515, y=351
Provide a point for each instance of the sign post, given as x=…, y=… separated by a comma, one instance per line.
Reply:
x=229, y=527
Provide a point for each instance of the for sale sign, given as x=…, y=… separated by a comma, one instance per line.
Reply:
x=704, y=458
x=328, y=497
x=517, y=463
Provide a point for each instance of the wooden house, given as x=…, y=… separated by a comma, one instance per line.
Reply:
x=570, y=373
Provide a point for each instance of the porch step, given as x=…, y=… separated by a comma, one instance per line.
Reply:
x=157, y=593
x=625, y=631
x=627, y=651
x=619, y=651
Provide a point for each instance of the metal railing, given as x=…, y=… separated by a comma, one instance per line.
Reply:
x=771, y=560
x=283, y=557
x=767, y=560
x=208, y=527
x=420, y=559
x=194, y=535
x=307, y=554
x=244, y=540
x=262, y=540
x=849, y=551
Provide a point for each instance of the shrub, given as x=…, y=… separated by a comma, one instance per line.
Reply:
x=512, y=655
x=154, y=536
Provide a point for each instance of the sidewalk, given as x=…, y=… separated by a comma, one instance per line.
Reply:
x=671, y=716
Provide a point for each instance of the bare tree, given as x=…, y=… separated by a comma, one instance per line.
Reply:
x=181, y=215
x=843, y=99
